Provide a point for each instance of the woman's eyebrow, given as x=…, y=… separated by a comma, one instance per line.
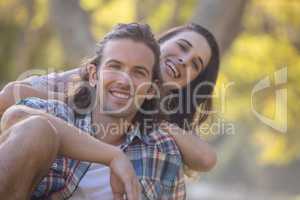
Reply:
x=187, y=42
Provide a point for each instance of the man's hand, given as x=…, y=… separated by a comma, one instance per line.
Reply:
x=123, y=179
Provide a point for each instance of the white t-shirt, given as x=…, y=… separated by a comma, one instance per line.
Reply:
x=95, y=184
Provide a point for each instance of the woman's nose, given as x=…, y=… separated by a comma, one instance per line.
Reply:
x=185, y=59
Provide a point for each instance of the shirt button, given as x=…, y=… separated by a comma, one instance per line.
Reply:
x=54, y=165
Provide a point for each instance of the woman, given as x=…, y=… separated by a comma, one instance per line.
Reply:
x=189, y=57
x=193, y=53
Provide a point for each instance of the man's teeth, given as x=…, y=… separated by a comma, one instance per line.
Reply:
x=120, y=95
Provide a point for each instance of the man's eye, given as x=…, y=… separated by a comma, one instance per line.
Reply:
x=114, y=66
x=140, y=73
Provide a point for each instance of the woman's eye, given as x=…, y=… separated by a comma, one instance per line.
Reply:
x=195, y=66
x=182, y=47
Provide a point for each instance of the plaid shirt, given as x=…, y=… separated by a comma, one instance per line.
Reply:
x=155, y=158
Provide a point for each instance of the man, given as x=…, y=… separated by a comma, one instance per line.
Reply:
x=127, y=53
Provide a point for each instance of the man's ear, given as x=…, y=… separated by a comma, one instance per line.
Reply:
x=90, y=67
x=92, y=71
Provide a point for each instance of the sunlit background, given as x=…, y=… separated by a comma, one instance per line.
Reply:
x=255, y=129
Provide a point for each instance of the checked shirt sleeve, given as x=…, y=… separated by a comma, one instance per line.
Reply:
x=54, y=107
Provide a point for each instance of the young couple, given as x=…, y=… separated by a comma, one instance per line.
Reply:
x=51, y=150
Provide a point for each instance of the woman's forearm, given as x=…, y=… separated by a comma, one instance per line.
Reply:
x=15, y=91
x=197, y=154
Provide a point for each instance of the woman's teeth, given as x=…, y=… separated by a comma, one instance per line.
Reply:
x=175, y=72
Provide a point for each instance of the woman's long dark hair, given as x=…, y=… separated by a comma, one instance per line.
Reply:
x=84, y=96
x=186, y=115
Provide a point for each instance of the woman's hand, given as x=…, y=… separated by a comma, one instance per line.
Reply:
x=123, y=179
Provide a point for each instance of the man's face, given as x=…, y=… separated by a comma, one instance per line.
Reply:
x=125, y=77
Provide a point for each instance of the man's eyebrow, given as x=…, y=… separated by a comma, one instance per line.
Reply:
x=113, y=61
x=140, y=67
x=187, y=42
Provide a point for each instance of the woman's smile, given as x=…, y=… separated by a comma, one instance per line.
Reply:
x=171, y=67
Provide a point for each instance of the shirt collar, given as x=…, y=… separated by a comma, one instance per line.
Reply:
x=132, y=133
x=135, y=133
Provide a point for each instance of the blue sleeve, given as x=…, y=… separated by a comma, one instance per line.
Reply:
x=54, y=107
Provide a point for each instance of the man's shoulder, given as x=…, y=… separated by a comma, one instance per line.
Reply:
x=164, y=141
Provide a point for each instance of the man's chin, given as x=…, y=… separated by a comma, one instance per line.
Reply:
x=119, y=111
x=118, y=114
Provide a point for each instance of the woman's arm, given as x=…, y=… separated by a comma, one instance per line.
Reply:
x=77, y=144
x=197, y=154
x=17, y=90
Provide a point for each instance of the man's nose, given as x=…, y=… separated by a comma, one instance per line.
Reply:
x=124, y=80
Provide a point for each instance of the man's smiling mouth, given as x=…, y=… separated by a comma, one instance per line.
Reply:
x=120, y=94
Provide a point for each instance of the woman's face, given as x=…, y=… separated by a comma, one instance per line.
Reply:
x=183, y=57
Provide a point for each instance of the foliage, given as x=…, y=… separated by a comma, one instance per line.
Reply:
x=266, y=45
